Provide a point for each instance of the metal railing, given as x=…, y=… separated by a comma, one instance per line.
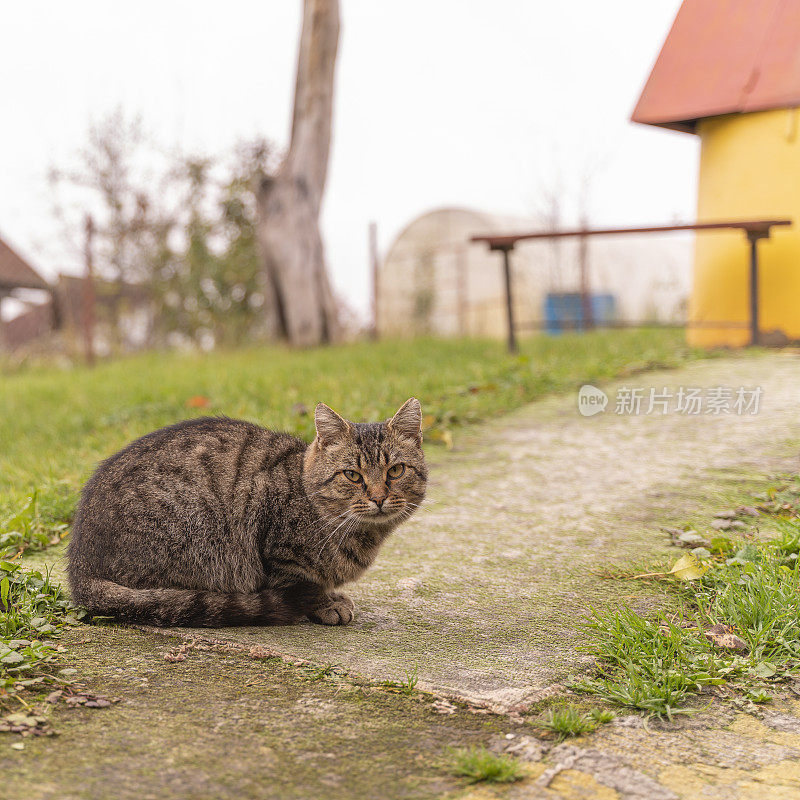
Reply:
x=754, y=230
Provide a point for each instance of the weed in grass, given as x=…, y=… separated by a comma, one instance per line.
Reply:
x=477, y=764
x=788, y=541
x=27, y=528
x=405, y=687
x=650, y=664
x=760, y=597
x=750, y=588
x=602, y=716
x=32, y=610
x=567, y=721
x=758, y=696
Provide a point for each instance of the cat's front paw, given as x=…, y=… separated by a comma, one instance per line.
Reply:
x=341, y=597
x=338, y=611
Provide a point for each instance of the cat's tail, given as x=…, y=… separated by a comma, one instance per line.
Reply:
x=194, y=608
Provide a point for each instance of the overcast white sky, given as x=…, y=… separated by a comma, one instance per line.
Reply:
x=439, y=102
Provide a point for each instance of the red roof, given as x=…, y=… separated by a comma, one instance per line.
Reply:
x=722, y=57
x=16, y=273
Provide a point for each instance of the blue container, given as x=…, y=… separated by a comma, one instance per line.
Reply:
x=563, y=311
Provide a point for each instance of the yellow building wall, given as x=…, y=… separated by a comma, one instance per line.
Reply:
x=749, y=169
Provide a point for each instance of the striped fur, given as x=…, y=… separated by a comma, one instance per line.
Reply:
x=216, y=521
x=199, y=608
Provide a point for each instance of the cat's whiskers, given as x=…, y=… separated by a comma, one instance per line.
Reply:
x=322, y=525
x=333, y=532
x=354, y=520
x=324, y=529
x=329, y=518
x=405, y=513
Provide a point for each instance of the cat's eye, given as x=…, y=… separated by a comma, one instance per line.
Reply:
x=396, y=470
x=352, y=475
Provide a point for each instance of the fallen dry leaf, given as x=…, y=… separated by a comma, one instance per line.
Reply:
x=748, y=511
x=688, y=568
x=173, y=657
x=25, y=724
x=725, y=636
x=84, y=699
x=443, y=706
x=198, y=401
x=76, y=700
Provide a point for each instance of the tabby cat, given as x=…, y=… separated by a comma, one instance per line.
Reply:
x=217, y=521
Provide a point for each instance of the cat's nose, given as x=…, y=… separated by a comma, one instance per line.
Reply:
x=379, y=501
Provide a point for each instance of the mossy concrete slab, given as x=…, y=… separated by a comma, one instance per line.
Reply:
x=483, y=593
x=227, y=723
x=227, y=726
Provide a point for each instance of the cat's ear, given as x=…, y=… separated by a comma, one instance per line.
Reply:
x=330, y=426
x=407, y=422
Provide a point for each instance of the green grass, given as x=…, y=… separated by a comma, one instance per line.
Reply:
x=477, y=764
x=56, y=424
x=655, y=664
x=758, y=696
x=406, y=687
x=650, y=664
x=32, y=611
x=567, y=721
x=602, y=716
x=28, y=529
x=570, y=720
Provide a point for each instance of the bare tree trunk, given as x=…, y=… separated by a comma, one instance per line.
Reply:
x=303, y=308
